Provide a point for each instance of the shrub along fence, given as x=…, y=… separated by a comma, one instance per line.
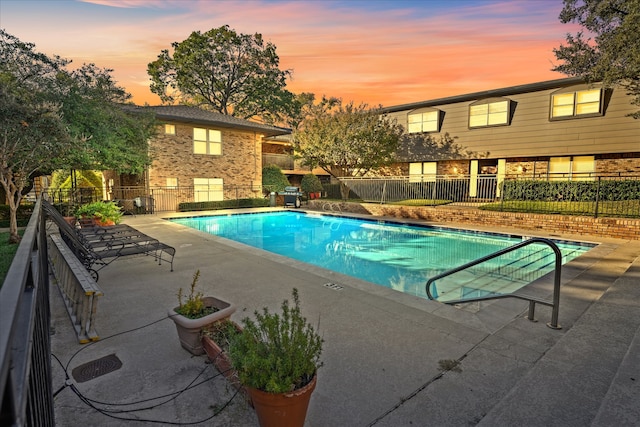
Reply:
x=612, y=196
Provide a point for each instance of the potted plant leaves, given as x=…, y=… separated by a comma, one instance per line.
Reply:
x=196, y=313
x=277, y=357
x=311, y=185
x=216, y=340
x=99, y=213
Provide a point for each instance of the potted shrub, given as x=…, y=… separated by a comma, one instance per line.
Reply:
x=311, y=185
x=196, y=313
x=100, y=213
x=276, y=357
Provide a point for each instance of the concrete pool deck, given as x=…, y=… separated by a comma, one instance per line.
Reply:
x=383, y=349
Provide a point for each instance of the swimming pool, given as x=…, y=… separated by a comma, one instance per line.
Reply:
x=398, y=256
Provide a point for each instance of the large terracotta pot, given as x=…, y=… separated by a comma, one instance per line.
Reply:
x=282, y=409
x=189, y=330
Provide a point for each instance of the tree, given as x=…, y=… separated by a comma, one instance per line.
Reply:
x=273, y=179
x=231, y=73
x=613, y=55
x=109, y=134
x=347, y=140
x=32, y=132
x=52, y=118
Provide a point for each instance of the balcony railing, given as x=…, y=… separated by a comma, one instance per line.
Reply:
x=283, y=161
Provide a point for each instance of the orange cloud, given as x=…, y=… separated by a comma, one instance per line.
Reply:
x=413, y=52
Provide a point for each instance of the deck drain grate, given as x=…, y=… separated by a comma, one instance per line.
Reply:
x=96, y=368
x=333, y=286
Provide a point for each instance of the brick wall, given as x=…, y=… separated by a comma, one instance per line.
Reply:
x=173, y=157
x=620, y=228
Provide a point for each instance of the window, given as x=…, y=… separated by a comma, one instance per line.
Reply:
x=583, y=167
x=423, y=172
x=208, y=189
x=427, y=121
x=207, y=141
x=172, y=182
x=170, y=129
x=577, y=167
x=578, y=103
x=489, y=113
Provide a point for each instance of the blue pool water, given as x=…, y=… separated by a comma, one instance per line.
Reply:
x=389, y=254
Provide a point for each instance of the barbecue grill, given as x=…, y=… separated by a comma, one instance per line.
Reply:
x=291, y=196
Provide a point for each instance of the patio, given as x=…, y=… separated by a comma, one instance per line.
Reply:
x=382, y=348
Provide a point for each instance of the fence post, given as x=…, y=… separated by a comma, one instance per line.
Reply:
x=595, y=214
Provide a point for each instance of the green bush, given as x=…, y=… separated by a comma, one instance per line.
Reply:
x=573, y=191
x=105, y=211
x=223, y=204
x=23, y=214
x=311, y=184
x=273, y=179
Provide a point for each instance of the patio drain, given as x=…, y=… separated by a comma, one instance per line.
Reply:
x=96, y=368
x=333, y=286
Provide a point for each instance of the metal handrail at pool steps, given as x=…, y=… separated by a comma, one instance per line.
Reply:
x=488, y=295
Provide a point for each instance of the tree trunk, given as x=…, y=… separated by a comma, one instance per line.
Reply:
x=344, y=191
x=14, y=237
x=13, y=199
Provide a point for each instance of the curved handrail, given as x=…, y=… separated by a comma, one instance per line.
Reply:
x=554, y=304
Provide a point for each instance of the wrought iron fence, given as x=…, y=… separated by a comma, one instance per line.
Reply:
x=445, y=188
x=25, y=347
x=162, y=199
x=140, y=199
x=585, y=194
x=616, y=196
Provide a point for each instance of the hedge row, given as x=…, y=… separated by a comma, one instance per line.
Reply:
x=223, y=204
x=23, y=215
x=574, y=191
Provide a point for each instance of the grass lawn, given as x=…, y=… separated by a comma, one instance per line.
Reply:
x=7, y=253
x=421, y=202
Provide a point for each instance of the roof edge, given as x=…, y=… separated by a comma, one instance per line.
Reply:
x=511, y=90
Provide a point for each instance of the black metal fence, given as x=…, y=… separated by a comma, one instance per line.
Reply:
x=617, y=196
x=163, y=199
x=140, y=199
x=25, y=347
x=592, y=195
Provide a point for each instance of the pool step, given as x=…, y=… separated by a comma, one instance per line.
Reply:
x=488, y=279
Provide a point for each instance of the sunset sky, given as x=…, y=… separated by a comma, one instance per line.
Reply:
x=371, y=51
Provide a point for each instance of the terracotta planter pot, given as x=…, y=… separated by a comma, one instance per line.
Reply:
x=282, y=409
x=220, y=358
x=105, y=223
x=189, y=330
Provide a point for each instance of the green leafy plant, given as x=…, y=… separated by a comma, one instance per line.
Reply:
x=277, y=352
x=273, y=179
x=310, y=183
x=104, y=211
x=194, y=306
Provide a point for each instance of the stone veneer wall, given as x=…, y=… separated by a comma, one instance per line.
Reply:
x=620, y=228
